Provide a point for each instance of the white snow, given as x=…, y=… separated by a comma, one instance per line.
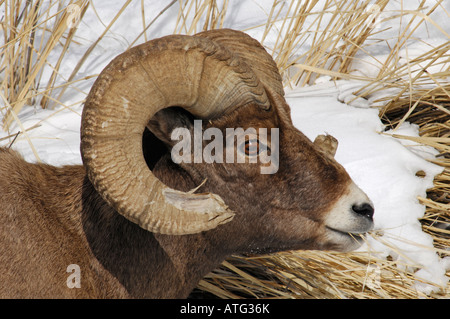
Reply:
x=383, y=166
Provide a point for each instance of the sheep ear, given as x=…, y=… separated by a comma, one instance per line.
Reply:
x=327, y=143
x=165, y=121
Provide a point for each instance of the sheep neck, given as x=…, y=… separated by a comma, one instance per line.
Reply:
x=144, y=263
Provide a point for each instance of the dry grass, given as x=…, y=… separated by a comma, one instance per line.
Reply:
x=31, y=33
x=334, y=34
x=337, y=36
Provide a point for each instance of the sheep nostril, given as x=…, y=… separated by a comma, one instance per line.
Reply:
x=364, y=210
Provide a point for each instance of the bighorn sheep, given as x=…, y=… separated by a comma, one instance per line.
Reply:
x=128, y=219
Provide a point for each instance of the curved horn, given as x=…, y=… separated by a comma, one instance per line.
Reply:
x=192, y=72
x=253, y=54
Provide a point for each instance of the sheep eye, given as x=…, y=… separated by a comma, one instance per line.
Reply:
x=252, y=147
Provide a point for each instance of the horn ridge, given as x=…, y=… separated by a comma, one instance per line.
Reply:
x=128, y=92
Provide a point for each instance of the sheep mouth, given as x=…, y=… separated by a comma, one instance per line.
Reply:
x=356, y=233
x=357, y=236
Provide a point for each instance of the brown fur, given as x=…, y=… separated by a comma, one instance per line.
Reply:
x=52, y=217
